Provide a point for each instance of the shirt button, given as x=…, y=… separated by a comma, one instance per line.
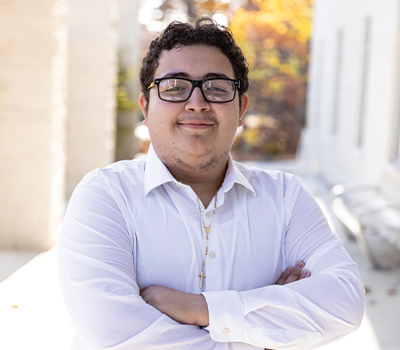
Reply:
x=178, y=185
x=208, y=214
x=212, y=255
x=226, y=331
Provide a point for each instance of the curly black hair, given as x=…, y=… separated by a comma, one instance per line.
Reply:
x=204, y=32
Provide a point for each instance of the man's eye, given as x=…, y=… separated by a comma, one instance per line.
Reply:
x=217, y=89
x=173, y=89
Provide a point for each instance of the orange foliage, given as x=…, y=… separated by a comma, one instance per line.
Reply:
x=274, y=36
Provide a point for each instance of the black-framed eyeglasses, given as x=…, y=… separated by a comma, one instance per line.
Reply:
x=215, y=90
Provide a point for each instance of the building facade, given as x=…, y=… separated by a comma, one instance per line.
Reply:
x=58, y=70
x=353, y=113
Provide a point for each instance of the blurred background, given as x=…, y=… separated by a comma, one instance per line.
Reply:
x=69, y=89
x=324, y=104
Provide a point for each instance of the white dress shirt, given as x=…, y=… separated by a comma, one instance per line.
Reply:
x=132, y=225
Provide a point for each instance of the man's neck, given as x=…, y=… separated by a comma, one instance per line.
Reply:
x=204, y=184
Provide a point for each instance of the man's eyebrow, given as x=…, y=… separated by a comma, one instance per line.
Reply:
x=186, y=75
x=216, y=75
x=175, y=75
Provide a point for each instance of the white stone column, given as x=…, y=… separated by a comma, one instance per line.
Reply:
x=32, y=122
x=91, y=90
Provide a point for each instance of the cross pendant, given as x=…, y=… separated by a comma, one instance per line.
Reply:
x=201, y=278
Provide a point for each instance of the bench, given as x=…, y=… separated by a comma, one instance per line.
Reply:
x=365, y=210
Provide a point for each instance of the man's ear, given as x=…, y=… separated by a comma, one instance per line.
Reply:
x=243, y=107
x=143, y=106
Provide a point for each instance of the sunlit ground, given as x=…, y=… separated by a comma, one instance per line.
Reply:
x=32, y=312
x=380, y=326
x=33, y=316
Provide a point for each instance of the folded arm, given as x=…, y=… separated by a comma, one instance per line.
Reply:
x=303, y=315
x=187, y=308
x=98, y=282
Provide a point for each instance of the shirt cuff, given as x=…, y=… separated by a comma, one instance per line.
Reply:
x=226, y=312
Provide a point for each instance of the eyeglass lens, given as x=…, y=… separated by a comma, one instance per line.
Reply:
x=216, y=90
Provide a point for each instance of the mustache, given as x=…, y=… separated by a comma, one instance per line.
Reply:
x=202, y=117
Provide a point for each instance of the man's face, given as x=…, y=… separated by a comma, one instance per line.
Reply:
x=194, y=133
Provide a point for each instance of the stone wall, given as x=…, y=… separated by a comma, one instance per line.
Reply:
x=91, y=89
x=33, y=60
x=58, y=65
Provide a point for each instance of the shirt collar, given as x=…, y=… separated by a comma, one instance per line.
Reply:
x=234, y=175
x=157, y=174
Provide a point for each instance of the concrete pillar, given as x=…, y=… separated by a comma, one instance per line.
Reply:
x=91, y=91
x=32, y=122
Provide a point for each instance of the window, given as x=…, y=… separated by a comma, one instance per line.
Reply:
x=364, y=82
x=396, y=140
x=337, y=82
x=395, y=144
x=319, y=83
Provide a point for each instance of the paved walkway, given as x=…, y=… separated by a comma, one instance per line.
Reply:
x=381, y=323
x=33, y=316
x=32, y=312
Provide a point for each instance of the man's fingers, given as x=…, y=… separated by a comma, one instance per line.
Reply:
x=284, y=276
x=304, y=274
x=292, y=274
x=296, y=272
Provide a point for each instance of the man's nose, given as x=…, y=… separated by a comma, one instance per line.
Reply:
x=197, y=102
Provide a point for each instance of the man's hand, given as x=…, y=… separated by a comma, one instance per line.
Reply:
x=293, y=274
x=183, y=307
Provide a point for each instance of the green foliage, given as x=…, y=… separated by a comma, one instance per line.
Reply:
x=124, y=101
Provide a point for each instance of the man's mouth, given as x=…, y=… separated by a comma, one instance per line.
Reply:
x=194, y=124
x=199, y=123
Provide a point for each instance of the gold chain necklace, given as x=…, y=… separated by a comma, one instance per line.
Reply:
x=207, y=230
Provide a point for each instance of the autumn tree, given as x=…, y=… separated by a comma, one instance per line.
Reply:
x=193, y=9
x=274, y=35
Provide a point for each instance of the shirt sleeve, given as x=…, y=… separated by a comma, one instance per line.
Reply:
x=305, y=314
x=98, y=281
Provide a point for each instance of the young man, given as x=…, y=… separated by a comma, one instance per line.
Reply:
x=183, y=249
